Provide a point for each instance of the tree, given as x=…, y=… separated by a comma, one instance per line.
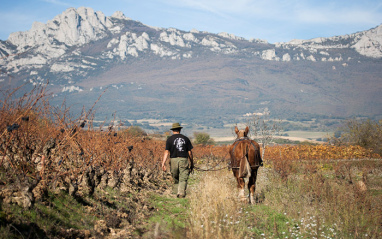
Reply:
x=365, y=133
x=203, y=138
x=264, y=130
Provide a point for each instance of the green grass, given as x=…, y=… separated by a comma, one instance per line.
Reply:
x=56, y=213
x=169, y=218
x=66, y=211
x=267, y=221
x=171, y=215
x=169, y=211
x=112, y=198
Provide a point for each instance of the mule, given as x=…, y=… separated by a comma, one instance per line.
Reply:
x=245, y=162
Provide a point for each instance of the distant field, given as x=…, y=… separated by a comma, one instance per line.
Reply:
x=308, y=134
x=227, y=133
x=293, y=135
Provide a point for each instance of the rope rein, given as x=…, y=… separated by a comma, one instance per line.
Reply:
x=212, y=168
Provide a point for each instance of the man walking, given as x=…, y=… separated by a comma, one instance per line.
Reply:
x=179, y=148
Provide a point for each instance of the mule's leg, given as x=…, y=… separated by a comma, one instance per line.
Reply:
x=252, y=185
x=240, y=185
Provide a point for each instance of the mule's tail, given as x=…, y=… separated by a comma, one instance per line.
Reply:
x=245, y=167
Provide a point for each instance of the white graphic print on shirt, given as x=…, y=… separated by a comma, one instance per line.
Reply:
x=179, y=144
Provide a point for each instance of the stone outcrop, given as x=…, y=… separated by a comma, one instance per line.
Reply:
x=128, y=38
x=102, y=51
x=367, y=43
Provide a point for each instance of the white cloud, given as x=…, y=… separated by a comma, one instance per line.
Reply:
x=292, y=10
x=283, y=20
x=333, y=13
x=57, y=2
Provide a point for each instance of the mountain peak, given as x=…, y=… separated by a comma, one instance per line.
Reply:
x=367, y=43
x=120, y=15
x=77, y=27
x=82, y=51
x=72, y=27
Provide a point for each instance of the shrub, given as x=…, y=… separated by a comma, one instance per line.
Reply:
x=203, y=138
x=135, y=131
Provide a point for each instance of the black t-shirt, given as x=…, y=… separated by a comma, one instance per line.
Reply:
x=178, y=145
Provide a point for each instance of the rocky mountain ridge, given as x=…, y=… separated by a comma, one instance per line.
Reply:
x=77, y=27
x=77, y=47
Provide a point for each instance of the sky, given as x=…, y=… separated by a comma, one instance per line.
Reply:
x=271, y=20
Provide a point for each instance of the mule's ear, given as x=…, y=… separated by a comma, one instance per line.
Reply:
x=246, y=131
x=236, y=130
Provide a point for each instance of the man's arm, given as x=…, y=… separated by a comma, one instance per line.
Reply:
x=166, y=152
x=191, y=157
